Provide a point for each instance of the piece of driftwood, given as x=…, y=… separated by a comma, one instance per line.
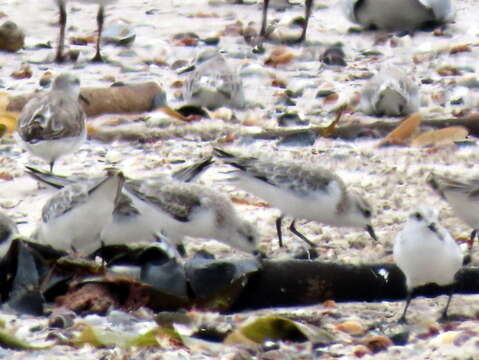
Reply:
x=134, y=98
x=376, y=129
x=32, y=275
x=296, y=283
x=355, y=130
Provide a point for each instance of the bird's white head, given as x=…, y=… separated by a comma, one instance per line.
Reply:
x=244, y=237
x=361, y=213
x=68, y=83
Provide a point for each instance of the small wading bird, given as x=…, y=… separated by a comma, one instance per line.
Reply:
x=213, y=83
x=399, y=15
x=299, y=190
x=185, y=209
x=391, y=93
x=426, y=253
x=53, y=124
x=132, y=220
x=63, y=20
x=73, y=218
x=462, y=195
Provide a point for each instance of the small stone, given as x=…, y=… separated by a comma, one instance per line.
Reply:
x=400, y=338
x=351, y=327
x=61, y=320
x=25, y=72
x=378, y=343
x=324, y=93
x=113, y=156
x=212, y=40
x=334, y=55
x=361, y=350
x=291, y=119
x=159, y=120
x=12, y=37
x=303, y=138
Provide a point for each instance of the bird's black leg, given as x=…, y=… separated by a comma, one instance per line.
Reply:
x=63, y=21
x=473, y=236
x=402, y=319
x=278, y=230
x=444, y=312
x=298, y=234
x=181, y=250
x=99, y=19
x=51, y=166
x=307, y=15
x=264, y=19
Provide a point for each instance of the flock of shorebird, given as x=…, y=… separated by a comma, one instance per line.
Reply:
x=86, y=213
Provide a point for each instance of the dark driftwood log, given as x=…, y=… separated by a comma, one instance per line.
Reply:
x=295, y=283
x=134, y=98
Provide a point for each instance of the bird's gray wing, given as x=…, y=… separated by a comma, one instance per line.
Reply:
x=64, y=200
x=170, y=198
x=443, y=9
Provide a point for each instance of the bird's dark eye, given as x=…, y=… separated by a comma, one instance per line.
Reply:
x=250, y=239
x=418, y=216
x=367, y=213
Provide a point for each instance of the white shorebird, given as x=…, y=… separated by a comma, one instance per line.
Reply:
x=399, y=15
x=63, y=20
x=426, y=253
x=53, y=124
x=73, y=218
x=214, y=83
x=462, y=195
x=185, y=209
x=133, y=220
x=8, y=230
x=301, y=191
x=391, y=92
x=308, y=7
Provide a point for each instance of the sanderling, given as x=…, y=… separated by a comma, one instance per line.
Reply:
x=136, y=221
x=53, y=124
x=132, y=220
x=213, y=83
x=462, y=195
x=185, y=209
x=301, y=191
x=390, y=92
x=63, y=20
x=404, y=15
x=73, y=218
x=8, y=230
x=307, y=14
x=426, y=253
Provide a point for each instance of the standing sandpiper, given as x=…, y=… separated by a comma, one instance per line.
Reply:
x=53, y=124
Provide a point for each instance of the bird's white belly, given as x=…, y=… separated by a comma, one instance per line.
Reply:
x=79, y=228
x=317, y=206
x=50, y=150
x=201, y=225
x=431, y=262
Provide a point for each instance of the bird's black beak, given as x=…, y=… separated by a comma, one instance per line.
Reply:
x=371, y=232
x=84, y=99
x=260, y=255
x=186, y=69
